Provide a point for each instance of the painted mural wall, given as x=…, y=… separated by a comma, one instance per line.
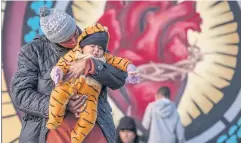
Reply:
x=190, y=46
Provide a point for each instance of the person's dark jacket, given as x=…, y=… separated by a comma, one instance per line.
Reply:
x=31, y=86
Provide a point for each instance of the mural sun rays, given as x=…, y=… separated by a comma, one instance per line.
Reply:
x=219, y=36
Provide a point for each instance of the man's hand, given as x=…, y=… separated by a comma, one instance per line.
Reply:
x=75, y=104
x=76, y=69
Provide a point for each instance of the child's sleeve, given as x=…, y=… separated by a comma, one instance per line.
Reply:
x=117, y=62
x=69, y=57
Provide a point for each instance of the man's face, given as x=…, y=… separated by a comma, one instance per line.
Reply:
x=95, y=50
x=72, y=41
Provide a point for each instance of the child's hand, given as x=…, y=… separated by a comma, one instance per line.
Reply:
x=76, y=69
x=56, y=74
x=133, y=76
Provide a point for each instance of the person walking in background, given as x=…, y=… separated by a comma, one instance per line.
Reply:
x=162, y=120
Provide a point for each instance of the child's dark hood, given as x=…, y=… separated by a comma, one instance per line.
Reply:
x=127, y=123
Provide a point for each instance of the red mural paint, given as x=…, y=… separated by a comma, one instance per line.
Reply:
x=149, y=32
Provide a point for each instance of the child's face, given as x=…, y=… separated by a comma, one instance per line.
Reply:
x=127, y=136
x=95, y=50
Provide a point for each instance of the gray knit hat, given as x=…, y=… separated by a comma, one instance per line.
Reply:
x=57, y=25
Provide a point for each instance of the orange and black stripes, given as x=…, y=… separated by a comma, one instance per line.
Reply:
x=118, y=62
x=69, y=57
x=91, y=30
x=83, y=85
x=60, y=96
x=63, y=92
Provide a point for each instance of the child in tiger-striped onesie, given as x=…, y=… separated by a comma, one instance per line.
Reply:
x=92, y=37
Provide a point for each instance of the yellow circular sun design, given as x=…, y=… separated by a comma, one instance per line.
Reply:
x=219, y=36
x=11, y=124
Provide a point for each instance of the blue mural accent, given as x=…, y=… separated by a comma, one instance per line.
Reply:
x=233, y=135
x=33, y=22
